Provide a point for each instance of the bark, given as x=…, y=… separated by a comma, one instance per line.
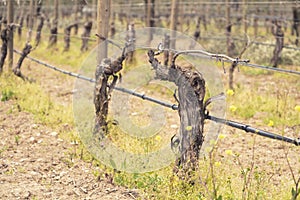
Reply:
x=4, y=38
x=67, y=36
x=39, y=31
x=191, y=92
x=85, y=35
x=102, y=91
x=279, y=36
x=231, y=71
x=17, y=69
x=53, y=36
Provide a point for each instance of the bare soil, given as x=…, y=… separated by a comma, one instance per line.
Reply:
x=35, y=164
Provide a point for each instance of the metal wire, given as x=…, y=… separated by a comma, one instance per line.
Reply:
x=253, y=42
x=227, y=59
x=238, y=125
x=250, y=129
x=79, y=76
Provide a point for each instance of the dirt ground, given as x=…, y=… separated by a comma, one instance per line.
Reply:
x=39, y=167
x=35, y=162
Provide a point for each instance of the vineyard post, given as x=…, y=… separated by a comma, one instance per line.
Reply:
x=10, y=43
x=173, y=27
x=103, y=16
x=245, y=16
x=228, y=29
x=150, y=17
x=101, y=95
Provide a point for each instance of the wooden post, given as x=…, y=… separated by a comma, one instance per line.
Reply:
x=173, y=27
x=245, y=16
x=150, y=18
x=103, y=15
x=229, y=42
x=10, y=43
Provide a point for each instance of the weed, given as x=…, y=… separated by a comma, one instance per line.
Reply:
x=17, y=139
x=6, y=94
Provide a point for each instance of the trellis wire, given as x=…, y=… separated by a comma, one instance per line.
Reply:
x=227, y=59
x=253, y=42
x=79, y=76
x=237, y=125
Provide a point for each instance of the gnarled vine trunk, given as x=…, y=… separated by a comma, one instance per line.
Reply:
x=191, y=92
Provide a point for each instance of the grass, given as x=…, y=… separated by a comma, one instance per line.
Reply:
x=222, y=175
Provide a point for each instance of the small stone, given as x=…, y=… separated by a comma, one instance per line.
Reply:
x=70, y=192
x=32, y=140
x=34, y=126
x=54, y=134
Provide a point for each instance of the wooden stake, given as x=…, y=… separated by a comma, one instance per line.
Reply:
x=10, y=43
x=103, y=15
x=245, y=16
x=173, y=27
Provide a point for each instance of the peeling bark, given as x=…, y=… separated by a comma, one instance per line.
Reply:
x=191, y=92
